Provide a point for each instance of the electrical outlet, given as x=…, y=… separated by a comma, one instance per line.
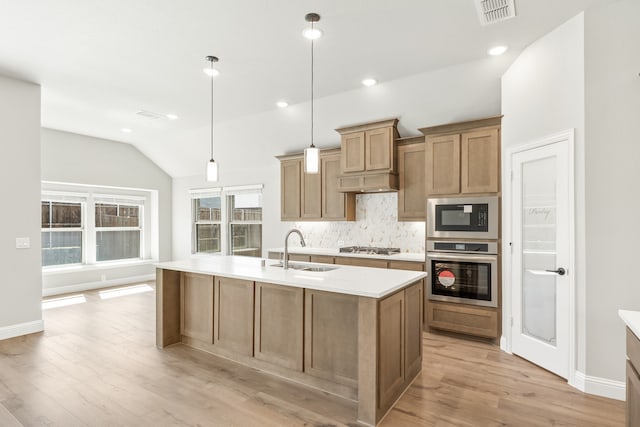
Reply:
x=23, y=243
x=340, y=242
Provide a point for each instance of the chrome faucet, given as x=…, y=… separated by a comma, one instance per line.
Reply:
x=285, y=261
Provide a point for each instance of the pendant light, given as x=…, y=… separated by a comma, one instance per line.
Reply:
x=312, y=154
x=212, y=166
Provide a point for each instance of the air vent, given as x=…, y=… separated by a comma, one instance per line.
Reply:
x=150, y=114
x=492, y=11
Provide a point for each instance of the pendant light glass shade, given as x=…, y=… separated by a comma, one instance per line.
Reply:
x=212, y=166
x=312, y=154
x=212, y=171
x=311, y=160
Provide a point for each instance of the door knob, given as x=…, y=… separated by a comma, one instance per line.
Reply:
x=560, y=271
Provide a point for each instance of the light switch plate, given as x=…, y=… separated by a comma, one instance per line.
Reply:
x=23, y=243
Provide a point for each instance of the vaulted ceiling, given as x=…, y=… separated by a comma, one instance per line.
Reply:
x=99, y=62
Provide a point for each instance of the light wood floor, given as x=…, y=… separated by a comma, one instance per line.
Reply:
x=97, y=365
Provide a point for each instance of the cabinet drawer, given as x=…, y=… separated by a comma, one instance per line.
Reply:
x=478, y=321
x=407, y=265
x=633, y=349
x=323, y=259
x=362, y=262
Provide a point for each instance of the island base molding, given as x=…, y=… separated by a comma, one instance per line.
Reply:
x=367, y=350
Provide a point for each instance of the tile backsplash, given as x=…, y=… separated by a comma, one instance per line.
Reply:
x=376, y=225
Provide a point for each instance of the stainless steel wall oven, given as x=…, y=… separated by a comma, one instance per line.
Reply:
x=465, y=272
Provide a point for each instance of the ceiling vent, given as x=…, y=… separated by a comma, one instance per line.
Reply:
x=150, y=114
x=492, y=11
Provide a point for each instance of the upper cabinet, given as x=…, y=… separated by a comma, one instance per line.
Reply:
x=369, y=147
x=314, y=197
x=411, y=173
x=463, y=158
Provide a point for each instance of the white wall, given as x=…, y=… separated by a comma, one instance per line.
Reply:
x=612, y=65
x=542, y=94
x=80, y=159
x=245, y=148
x=21, y=285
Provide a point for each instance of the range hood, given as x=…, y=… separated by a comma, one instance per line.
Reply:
x=383, y=182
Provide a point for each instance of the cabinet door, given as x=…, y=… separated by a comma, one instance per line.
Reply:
x=633, y=397
x=352, y=152
x=480, y=164
x=442, y=155
x=279, y=325
x=411, y=193
x=196, y=311
x=233, y=315
x=336, y=206
x=413, y=330
x=378, y=149
x=290, y=179
x=310, y=206
x=391, y=368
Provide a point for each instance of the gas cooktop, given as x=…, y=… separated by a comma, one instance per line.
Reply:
x=370, y=250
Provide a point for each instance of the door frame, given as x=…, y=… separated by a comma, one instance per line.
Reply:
x=507, y=233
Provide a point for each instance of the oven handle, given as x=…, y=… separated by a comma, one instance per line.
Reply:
x=462, y=257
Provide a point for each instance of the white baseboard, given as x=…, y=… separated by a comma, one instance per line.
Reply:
x=503, y=345
x=59, y=290
x=21, y=329
x=600, y=386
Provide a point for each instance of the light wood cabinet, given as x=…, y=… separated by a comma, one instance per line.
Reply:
x=331, y=336
x=314, y=197
x=290, y=189
x=463, y=158
x=278, y=325
x=633, y=380
x=369, y=147
x=196, y=314
x=323, y=259
x=413, y=297
x=411, y=173
x=362, y=262
x=464, y=319
x=391, y=348
x=233, y=315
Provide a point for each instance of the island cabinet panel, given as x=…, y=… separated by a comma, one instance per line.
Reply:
x=633, y=380
x=413, y=330
x=279, y=325
x=168, y=307
x=480, y=167
x=233, y=315
x=196, y=296
x=442, y=156
x=391, y=344
x=331, y=336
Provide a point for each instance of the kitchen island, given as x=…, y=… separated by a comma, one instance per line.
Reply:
x=351, y=331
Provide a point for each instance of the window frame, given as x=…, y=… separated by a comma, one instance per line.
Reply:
x=195, y=221
x=120, y=201
x=52, y=198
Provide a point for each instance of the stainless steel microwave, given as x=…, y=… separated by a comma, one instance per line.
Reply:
x=463, y=218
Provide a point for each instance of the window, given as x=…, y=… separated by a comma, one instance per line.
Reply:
x=207, y=220
x=62, y=229
x=83, y=227
x=227, y=221
x=245, y=221
x=118, y=231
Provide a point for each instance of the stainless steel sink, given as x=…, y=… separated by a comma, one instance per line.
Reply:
x=307, y=267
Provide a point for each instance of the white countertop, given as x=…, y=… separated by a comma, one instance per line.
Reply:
x=405, y=256
x=632, y=320
x=361, y=281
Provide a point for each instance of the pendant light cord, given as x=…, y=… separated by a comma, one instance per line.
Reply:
x=212, y=110
x=312, y=146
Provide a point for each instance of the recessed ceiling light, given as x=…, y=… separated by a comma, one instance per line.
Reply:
x=172, y=117
x=126, y=130
x=282, y=104
x=211, y=72
x=312, y=33
x=369, y=82
x=497, y=50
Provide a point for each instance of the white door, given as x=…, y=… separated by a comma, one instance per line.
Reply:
x=541, y=210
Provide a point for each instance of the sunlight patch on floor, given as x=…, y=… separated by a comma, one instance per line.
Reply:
x=63, y=301
x=128, y=290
